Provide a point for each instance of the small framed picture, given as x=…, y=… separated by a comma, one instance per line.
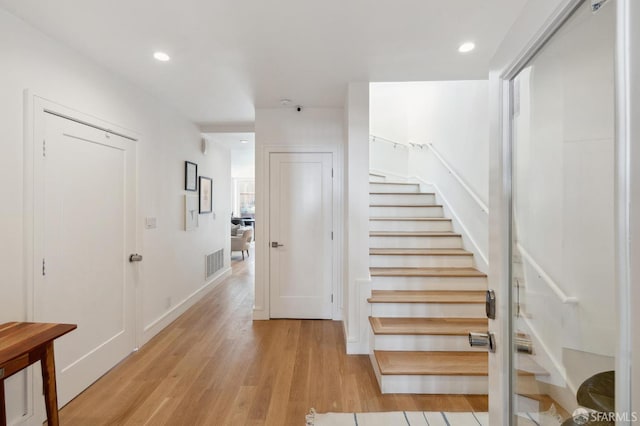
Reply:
x=190, y=212
x=206, y=195
x=190, y=176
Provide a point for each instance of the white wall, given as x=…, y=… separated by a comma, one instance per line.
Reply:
x=286, y=129
x=452, y=116
x=243, y=163
x=173, y=267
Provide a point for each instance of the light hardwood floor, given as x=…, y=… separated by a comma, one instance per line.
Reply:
x=215, y=366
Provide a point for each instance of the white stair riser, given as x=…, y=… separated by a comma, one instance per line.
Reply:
x=397, y=342
x=402, y=199
x=429, y=310
x=428, y=283
x=420, y=261
x=386, y=211
x=389, y=187
x=469, y=385
x=375, y=178
x=415, y=242
x=411, y=225
x=452, y=385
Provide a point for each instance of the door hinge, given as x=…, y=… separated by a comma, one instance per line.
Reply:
x=332, y=172
x=332, y=298
x=44, y=272
x=44, y=148
x=331, y=235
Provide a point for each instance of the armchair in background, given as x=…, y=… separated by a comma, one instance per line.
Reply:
x=241, y=241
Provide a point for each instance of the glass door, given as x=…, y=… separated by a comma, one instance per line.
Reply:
x=564, y=316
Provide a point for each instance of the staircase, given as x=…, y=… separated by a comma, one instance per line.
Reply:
x=426, y=296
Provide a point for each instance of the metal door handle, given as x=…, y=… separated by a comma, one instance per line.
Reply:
x=275, y=244
x=135, y=258
x=483, y=339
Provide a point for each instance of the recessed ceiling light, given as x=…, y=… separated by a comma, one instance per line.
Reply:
x=161, y=56
x=244, y=141
x=466, y=47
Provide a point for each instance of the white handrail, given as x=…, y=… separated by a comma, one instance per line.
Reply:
x=395, y=144
x=547, y=279
x=482, y=205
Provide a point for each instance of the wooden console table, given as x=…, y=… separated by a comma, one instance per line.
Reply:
x=25, y=343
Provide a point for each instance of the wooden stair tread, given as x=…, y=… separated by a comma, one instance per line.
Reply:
x=433, y=296
x=427, y=326
x=413, y=234
x=419, y=252
x=444, y=363
x=418, y=219
x=426, y=272
x=405, y=205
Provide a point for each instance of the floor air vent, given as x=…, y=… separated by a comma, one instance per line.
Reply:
x=214, y=262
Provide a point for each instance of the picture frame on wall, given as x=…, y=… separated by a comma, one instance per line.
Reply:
x=190, y=212
x=190, y=176
x=206, y=195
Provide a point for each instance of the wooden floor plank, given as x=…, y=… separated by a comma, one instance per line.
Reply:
x=216, y=366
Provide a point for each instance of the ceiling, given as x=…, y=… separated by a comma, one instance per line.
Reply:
x=232, y=140
x=232, y=56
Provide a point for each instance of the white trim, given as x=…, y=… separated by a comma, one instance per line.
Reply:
x=263, y=312
x=360, y=344
x=171, y=315
x=35, y=107
x=570, y=300
x=387, y=174
x=624, y=153
x=452, y=172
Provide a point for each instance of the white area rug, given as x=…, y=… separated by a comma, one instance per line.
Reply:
x=398, y=418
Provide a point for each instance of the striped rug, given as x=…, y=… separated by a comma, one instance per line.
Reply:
x=398, y=418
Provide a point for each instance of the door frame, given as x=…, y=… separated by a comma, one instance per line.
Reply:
x=262, y=307
x=35, y=110
x=537, y=23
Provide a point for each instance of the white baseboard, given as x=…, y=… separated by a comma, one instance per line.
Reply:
x=171, y=315
x=260, y=315
x=389, y=174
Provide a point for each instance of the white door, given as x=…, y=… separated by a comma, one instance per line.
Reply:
x=300, y=230
x=85, y=208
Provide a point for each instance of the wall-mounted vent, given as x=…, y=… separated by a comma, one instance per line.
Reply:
x=214, y=262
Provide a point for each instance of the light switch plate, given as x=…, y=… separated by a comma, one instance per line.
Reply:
x=150, y=223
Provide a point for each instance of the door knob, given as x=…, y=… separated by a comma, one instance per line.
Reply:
x=275, y=244
x=135, y=258
x=482, y=339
